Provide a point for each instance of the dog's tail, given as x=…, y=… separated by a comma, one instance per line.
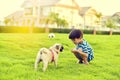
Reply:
x=44, y=50
x=38, y=59
x=39, y=56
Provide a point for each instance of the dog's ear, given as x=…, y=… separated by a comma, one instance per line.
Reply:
x=57, y=47
x=61, y=49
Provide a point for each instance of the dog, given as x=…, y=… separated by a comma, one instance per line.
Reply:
x=48, y=55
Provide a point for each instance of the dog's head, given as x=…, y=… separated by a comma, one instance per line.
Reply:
x=59, y=47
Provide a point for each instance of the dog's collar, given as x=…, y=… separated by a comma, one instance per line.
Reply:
x=54, y=50
x=52, y=55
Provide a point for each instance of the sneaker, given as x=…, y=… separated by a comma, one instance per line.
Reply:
x=79, y=62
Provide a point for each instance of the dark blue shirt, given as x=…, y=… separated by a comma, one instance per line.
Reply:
x=86, y=48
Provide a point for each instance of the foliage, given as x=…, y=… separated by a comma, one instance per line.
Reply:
x=22, y=29
x=110, y=23
x=54, y=18
x=6, y=21
x=98, y=15
x=25, y=29
x=116, y=20
x=18, y=53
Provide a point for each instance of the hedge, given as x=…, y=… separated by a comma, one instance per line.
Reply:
x=24, y=29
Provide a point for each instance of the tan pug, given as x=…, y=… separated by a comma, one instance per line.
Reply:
x=48, y=55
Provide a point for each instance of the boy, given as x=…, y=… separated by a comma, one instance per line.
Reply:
x=83, y=50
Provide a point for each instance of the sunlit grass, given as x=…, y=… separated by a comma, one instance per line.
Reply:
x=18, y=52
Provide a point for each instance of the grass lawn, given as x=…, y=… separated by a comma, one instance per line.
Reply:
x=18, y=53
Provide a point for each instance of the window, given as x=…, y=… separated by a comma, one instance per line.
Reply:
x=28, y=11
x=46, y=11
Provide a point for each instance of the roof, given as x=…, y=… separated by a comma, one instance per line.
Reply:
x=70, y=4
x=47, y=2
x=30, y=3
x=27, y=4
x=104, y=18
x=16, y=14
x=116, y=14
x=83, y=10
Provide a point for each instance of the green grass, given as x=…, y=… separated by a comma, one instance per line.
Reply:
x=18, y=53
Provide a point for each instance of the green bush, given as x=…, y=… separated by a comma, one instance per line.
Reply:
x=102, y=32
x=59, y=30
x=10, y=29
x=38, y=30
x=116, y=33
x=88, y=31
x=24, y=29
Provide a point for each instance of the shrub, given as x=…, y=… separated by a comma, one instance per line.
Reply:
x=24, y=29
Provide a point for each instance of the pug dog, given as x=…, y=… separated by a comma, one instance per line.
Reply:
x=48, y=55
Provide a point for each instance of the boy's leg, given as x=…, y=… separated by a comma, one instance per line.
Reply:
x=77, y=55
x=90, y=57
x=81, y=54
x=84, y=56
x=85, y=61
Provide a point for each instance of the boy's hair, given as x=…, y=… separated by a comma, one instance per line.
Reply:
x=76, y=33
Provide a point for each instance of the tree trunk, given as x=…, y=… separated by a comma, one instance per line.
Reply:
x=94, y=32
x=46, y=29
x=110, y=33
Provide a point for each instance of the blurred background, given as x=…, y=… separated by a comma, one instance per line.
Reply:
x=94, y=15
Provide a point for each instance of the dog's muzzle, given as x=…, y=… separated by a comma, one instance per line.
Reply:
x=61, y=49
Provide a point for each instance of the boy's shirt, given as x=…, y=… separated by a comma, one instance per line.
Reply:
x=86, y=48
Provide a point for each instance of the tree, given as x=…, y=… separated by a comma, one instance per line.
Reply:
x=110, y=23
x=116, y=20
x=6, y=21
x=98, y=15
x=54, y=18
x=61, y=22
x=49, y=20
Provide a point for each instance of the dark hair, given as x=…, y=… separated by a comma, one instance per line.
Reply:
x=76, y=33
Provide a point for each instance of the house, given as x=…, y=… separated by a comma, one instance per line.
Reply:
x=117, y=14
x=14, y=19
x=37, y=10
x=116, y=17
x=88, y=15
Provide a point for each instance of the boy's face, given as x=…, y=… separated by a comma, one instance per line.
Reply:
x=77, y=40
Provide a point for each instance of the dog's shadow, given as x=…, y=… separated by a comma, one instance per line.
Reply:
x=54, y=67
x=51, y=68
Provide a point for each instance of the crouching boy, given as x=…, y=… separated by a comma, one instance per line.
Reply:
x=83, y=50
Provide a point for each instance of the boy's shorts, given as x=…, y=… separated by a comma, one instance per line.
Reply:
x=90, y=57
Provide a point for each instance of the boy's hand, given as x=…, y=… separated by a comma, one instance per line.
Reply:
x=74, y=51
x=80, y=50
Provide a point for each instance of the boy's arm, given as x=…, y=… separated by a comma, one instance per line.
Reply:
x=84, y=55
x=80, y=52
x=76, y=51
